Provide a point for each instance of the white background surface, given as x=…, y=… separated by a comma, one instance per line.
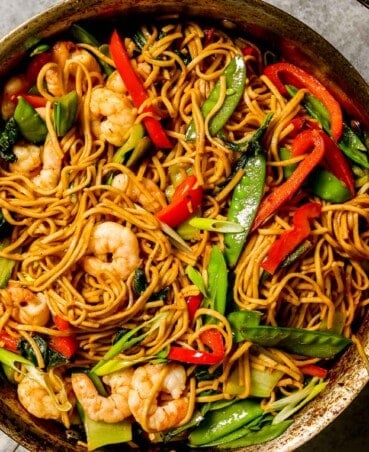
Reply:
x=345, y=24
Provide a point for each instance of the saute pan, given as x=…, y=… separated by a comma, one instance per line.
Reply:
x=299, y=44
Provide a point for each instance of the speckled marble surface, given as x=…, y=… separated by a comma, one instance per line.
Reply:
x=345, y=24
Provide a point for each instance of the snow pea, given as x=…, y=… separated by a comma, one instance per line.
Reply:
x=219, y=423
x=315, y=108
x=328, y=187
x=235, y=75
x=322, y=183
x=247, y=195
x=352, y=146
x=236, y=434
x=83, y=36
x=217, y=281
x=266, y=433
x=29, y=122
x=317, y=344
x=349, y=143
x=65, y=112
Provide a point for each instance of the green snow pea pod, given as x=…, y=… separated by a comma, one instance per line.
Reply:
x=349, y=143
x=317, y=344
x=247, y=194
x=235, y=75
x=219, y=423
x=315, y=108
x=30, y=123
x=352, y=146
x=65, y=112
x=266, y=433
x=245, y=201
x=322, y=182
x=82, y=35
x=328, y=187
x=132, y=150
x=217, y=281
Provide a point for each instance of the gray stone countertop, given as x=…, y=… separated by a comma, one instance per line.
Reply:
x=345, y=24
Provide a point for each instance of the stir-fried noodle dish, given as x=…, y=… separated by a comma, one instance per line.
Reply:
x=184, y=235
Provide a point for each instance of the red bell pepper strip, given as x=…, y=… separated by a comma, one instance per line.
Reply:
x=35, y=65
x=211, y=338
x=290, y=240
x=190, y=356
x=137, y=91
x=65, y=345
x=292, y=74
x=193, y=304
x=35, y=100
x=314, y=371
x=60, y=323
x=337, y=163
x=209, y=35
x=302, y=143
x=301, y=123
x=8, y=342
x=186, y=199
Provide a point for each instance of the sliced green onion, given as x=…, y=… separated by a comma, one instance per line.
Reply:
x=175, y=238
x=196, y=279
x=289, y=405
x=211, y=224
x=42, y=48
x=10, y=359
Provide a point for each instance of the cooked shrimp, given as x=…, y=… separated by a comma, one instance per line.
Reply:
x=49, y=175
x=169, y=406
x=112, y=115
x=41, y=164
x=37, y=400
x=28, y=308
x=115, y=83
x=152, y=199
x=119, y=242
x=28, y=161
x=13, y=87
x=111, y=409
x=66, y=53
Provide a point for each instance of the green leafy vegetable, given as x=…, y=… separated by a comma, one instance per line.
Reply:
x=8, y=137
x=51, y=357
x=351, y=145
x=100, y=434
x=6, y=266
